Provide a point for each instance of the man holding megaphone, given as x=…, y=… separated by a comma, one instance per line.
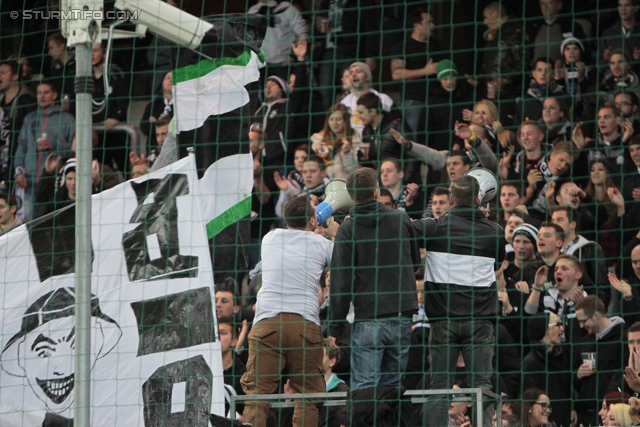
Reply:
x=286, y=328
x=373, y=266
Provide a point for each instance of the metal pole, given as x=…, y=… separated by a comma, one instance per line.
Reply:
x=84, y=157
x=479, y=408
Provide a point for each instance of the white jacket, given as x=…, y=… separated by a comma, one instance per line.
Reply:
x=288, y=27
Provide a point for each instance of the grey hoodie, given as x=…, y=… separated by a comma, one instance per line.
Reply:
x=59, y=127
x=615, y=321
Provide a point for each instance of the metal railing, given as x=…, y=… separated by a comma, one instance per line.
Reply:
x=479, y=393
x=338, y=398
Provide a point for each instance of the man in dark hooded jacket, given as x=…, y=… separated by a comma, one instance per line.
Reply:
x=373, y=266
x=606, y=337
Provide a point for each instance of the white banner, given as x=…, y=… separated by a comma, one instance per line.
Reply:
x=156, y=357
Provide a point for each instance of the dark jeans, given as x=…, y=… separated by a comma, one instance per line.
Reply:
x=380, y=352
x=475, y=338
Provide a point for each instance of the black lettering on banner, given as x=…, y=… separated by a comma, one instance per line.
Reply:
x=53, y=240
x=157, y=393
x=159, y=218
x=175, y=321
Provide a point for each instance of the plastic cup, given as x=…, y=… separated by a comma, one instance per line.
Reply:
x=589, y=359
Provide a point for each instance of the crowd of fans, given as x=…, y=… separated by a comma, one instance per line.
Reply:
x=552, y=114
x=552, y=111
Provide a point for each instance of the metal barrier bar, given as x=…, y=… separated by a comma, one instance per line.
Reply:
x=339, y=399
x=114, y=151
x=479, y=398
x=325, y=396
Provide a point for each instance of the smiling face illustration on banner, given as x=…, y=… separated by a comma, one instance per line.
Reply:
x=46, y=355
x=42, y=351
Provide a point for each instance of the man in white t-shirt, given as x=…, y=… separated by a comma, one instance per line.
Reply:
x=286, y=329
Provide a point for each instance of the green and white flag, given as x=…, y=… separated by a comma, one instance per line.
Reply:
x=225, y=192
x=213, y=87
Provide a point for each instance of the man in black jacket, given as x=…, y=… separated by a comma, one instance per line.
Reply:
x=16, y=101
x=463, y=251
x=377, y=132
x=116, y=95
x=605, y=337
x=503, y=52
x=377, y=129
x=373, y=265
x=280, y=123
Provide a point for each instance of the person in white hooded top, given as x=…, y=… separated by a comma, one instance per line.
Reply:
x=285, y=26
x=361, y=80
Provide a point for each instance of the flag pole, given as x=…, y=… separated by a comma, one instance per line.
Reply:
x=84, y=156
x=81, y=33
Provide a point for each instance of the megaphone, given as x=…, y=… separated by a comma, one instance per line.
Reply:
x=336, y=197
x=488, y=183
